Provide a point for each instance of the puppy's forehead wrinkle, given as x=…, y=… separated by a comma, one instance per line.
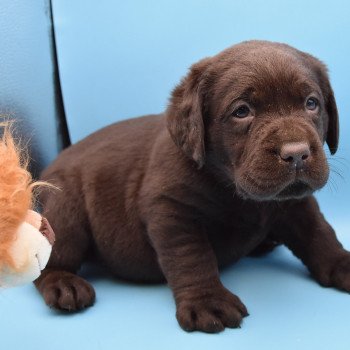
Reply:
x=272, y=78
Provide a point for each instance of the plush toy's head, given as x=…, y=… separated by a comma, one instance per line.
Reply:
x=26, y=237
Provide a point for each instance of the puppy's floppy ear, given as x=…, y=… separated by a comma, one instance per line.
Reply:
x=185, y=113
x=332, y=138
x=332, y=129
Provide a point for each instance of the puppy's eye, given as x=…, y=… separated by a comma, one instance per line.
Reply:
x=241, y=112
x=311, y=103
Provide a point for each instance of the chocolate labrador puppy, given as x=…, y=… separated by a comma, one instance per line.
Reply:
x=229, y=168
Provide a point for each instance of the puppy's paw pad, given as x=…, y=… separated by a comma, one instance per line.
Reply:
x=211, y=314
x=69, y=293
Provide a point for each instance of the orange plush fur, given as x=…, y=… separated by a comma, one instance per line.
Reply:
x=15, y=191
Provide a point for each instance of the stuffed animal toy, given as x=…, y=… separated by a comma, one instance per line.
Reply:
x=26, y=237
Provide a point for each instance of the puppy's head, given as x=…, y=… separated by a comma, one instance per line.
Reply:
x=258, y=112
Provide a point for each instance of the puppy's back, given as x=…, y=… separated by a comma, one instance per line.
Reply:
x=118, y=147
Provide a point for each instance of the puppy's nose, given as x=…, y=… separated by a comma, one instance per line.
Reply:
x=295, y=153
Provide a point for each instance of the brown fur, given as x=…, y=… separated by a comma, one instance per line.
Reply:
x=180, y=194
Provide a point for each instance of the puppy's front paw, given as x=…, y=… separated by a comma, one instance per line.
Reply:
x=65, y=291
x=210, y=311
x=340, y=276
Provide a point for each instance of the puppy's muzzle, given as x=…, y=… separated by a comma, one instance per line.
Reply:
x=286, y=161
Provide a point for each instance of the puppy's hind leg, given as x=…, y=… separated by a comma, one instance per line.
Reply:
x=59, y=285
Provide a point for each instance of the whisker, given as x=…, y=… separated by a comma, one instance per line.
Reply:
x=339, y=162
x=334, y=184
x=331, y=186
x=336, y=171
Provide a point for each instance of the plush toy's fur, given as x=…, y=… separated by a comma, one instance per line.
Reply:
x=15, y=192
x=26, y=237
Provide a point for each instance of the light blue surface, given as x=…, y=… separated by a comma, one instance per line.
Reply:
x=287, y=309
x=121, y=59
x=27, y=74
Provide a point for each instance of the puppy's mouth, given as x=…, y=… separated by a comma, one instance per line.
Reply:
x=295, y=190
